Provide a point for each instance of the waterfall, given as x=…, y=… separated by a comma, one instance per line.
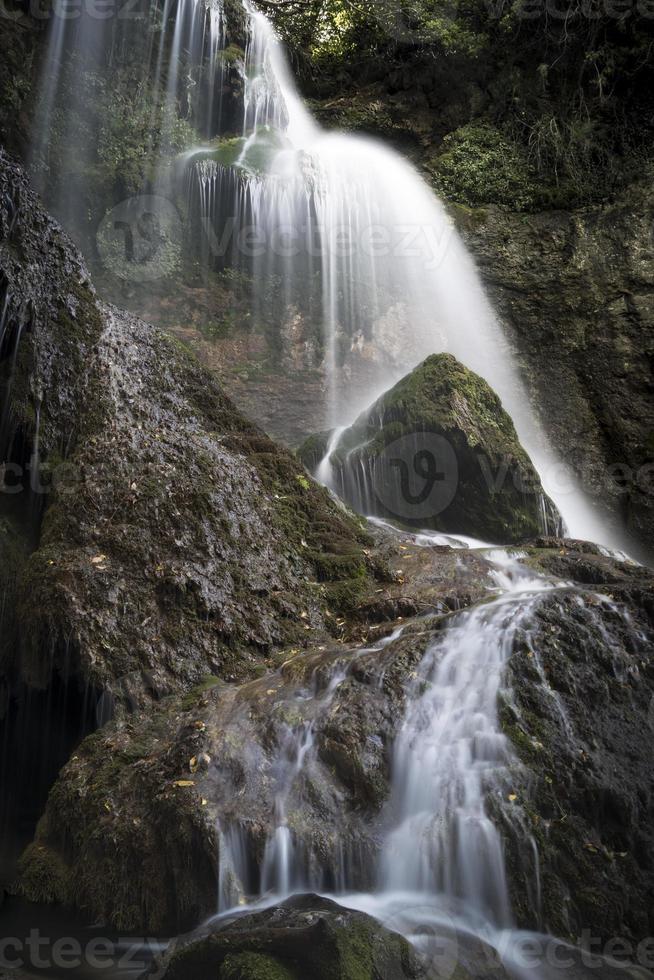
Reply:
x=335, y=230
x=394, y=281
x=348, y=233
x=440, y=862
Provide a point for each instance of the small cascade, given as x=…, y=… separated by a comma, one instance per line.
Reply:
x=551, y=522
x=439, y=872
x=233, y=867
x=279, y=872
x=440, y=861
x=450, y=755
x=4, y=316
x=174, y=85
x=286, y=866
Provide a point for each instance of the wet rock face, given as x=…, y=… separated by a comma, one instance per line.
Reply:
x=306, y=936
x=49, y=322
x=574, y=290
x=314, y=737
x=438, y=451
x=227, y=755
x=177, y=551
x=581, y=718
x=175, y=533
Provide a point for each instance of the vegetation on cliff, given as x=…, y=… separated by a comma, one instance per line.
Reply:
x=567, y=87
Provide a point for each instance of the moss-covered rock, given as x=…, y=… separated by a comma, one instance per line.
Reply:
x=161, y=780
x=164, y=780
x=307, y=936
x=438, y=450
x=478, y=165
x=182, y=541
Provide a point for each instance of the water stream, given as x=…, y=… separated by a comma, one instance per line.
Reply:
x=402, y=287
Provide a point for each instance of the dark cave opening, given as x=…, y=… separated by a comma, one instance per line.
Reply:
x=38, y=733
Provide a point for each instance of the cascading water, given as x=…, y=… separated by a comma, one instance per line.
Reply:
x=350, y=233
x=353, y=233
x=439, y=873
x=335, y=231
x=450, y=754
x=440, y=864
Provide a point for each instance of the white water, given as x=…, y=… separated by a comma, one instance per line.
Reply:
x=397, y=283
x=352, y=239
x=440, y=869
x=450, y=754
x=404, y=287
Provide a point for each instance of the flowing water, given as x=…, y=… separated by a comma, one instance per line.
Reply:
x=349, y=232
x=441, y=859
x=439, y=874
x=337, y=231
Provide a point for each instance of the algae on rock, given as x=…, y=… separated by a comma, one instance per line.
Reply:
x=438, y=450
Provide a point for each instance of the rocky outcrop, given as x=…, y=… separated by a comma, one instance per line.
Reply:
x=307, y=936
x=580, y=714
x=579, y=687
x=174, y=531
x=574, y=290
x=219, y=757
x=153, y=535
x=224, y=756
x=438, y=451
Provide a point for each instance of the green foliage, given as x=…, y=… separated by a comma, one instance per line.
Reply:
x=567, y=90
x=480, y=165
x=222, y=326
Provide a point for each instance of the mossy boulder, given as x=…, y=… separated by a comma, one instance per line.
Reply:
x=438, y=451
x=162, y=781
x=306, y=936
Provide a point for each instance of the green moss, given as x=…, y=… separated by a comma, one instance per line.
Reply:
x=191, y=699
x=253, y=966
x=479, y=165
x=43, y=876
x=232, y=54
